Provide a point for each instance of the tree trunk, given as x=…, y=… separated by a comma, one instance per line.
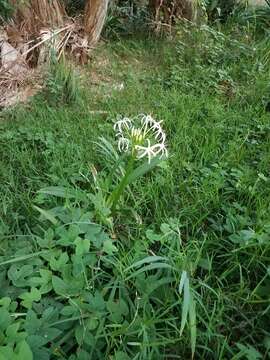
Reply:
x=95, y=16
x=168, y=11
x=35, y=14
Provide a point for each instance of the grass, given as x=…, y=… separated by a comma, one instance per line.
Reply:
x=202, y=216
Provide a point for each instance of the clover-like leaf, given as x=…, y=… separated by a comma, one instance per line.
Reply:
x=23, y=351
x=109, y=248
x=5, y=319
x=19, y=274
x=82, y=246
x=29, y=297
x=57, y=264
x=44, y=281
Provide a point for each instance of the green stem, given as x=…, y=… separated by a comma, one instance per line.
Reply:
x=117, y=192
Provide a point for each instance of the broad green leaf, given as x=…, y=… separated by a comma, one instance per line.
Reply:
x=91, y=323
x=69, y=285
x=29, y=297
x=19, y=274
x=117, y=309
x=84, y=336
x=90, y=259
x=109, y=248
x=80, y=334
x=36, y=341
x=5, y=302
x=32, y=323
x=87, y=226
x=100, y=239
x=50, y=314
x=6, y=353
x=70, y=310
x=165, y=228
x=92, y=231
x=82, y=246
x=78, y=265
x=89, y=339
x=44, y=281
x=47, y=240
x=69, y=235
x=5, y=319
x=50, y=333
x=12, y=331
x=82, y=355
x=96, y=302
x=57, y=264
x=23, y=351
x=59, y=286
x=152, y=236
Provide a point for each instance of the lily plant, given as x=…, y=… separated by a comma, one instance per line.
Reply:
x=138, y=138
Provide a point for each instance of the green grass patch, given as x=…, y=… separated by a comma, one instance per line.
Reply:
x=182, y=267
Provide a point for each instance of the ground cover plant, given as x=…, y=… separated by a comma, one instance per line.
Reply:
x=179, y=266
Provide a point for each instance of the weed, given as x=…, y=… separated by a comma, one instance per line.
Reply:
x=62, y=82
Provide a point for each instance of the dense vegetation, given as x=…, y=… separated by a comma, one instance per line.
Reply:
x=181, y=267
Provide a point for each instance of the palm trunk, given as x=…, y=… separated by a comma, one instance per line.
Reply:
x=95, y=16
x=51, y=12
x=35, y=14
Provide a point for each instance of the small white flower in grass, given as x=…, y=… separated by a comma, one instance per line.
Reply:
x=143, y=136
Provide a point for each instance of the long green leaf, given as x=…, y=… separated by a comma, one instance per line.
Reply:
x=47, y=215
x=147, y=260
x=182, y=281
x=63, y=192
x=148, y=268
x=22, y=258
x=186, y=305
x=192, y=323
x=143, y=169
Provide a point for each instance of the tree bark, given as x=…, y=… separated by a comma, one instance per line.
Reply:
x=169, y=10
x=95, y=16
x=35, y=14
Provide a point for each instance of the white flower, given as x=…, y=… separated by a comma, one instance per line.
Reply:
x=121, y=125
x=150, y=124
x=123, y=144
x=152, y=151
x=144, y=151
x=143, y=136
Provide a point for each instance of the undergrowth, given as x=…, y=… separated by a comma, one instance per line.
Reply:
x=182, y=267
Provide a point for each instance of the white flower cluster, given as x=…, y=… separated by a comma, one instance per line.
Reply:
x=146, y=140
